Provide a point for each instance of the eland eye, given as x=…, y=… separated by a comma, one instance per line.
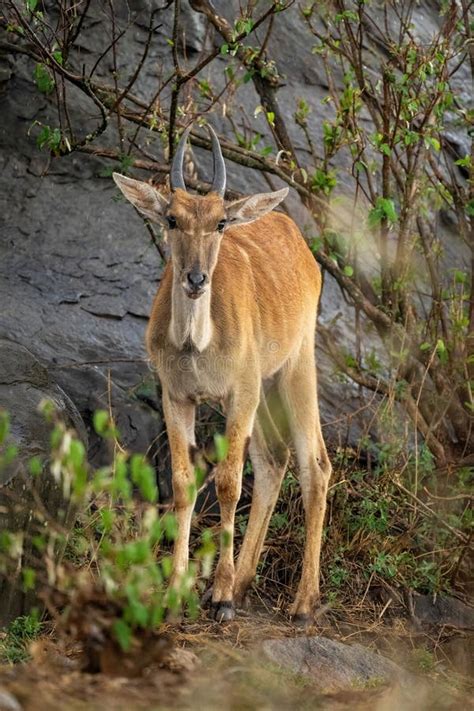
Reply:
x=171, y=219
x=221, y=225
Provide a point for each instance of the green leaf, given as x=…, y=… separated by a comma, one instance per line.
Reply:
x=50, y=138
x=143, y=475
x=107, y=517
x=136, y=614
x=58, y=56
x=101, y=421
x=348, y=270
x=433, y=142
x=224, y=49
x=167, y=566
x=316, y=244
x=43, y=78
x=460, y=277
x=157, y=614
x=77, y=453
x=384, y=209
x=325, y=181
x=35, y=466
x=410, y=138
x=121, y=485
x=463, y=162
x=271, y=118
x=4, y=425
x=156, y=532
x=31, y=5
x=170, y=526
x=10, y=453
x=39, y=542
x=123, y=634
x=221, y=444
x=442, y=351
x=29, y=579
x=388, y=207
x=134, y=553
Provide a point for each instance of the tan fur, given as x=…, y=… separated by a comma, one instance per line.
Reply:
x=247, y=342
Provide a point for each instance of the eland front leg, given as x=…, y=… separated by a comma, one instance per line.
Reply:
x=179, y=418
x=240, y=420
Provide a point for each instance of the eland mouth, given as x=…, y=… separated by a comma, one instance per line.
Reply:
x=194, y=293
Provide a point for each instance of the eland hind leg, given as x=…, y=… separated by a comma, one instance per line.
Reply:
x=269, y=456
x=298, y=388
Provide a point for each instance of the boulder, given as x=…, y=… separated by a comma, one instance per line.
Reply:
x=354, y=677
x=332, y=665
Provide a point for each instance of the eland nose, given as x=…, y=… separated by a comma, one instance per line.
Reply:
x=196, y=279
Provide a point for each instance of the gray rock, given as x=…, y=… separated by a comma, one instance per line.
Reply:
x=356, y=677
x=332, y=665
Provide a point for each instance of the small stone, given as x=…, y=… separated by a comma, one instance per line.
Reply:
x=179, y=660
x=8, y=702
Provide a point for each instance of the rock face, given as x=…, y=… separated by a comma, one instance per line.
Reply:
x=24, y=383
x=77, y=270
x=76, y=283
x=332, y=665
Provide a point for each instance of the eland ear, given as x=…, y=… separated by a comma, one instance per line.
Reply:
x=251, y=208
x=143, y=196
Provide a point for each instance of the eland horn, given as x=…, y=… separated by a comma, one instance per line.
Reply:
x=176, y=173
x=219, y=179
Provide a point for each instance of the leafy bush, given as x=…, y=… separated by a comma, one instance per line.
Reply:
x=120, y=549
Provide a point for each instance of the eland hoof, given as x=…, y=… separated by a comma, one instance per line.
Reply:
x=223, y=611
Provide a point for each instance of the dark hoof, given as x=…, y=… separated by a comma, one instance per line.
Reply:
x=223, y=611
x=302, y=620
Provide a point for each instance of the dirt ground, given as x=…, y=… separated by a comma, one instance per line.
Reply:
x=208, y=666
